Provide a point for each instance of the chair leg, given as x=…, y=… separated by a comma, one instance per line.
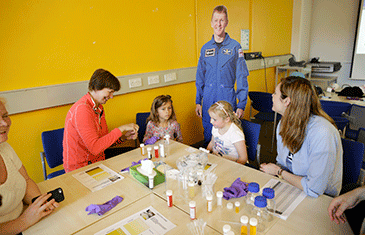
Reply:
x=44, y=165
x=274, y=131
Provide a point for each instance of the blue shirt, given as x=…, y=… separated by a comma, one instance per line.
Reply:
x=319, y=160
x=219, y=67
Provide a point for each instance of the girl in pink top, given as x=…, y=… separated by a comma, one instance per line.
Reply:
x=162, y=120
x=86, y=134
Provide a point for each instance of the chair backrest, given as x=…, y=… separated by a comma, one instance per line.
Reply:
x=52, y=145
x=357, y=117
x=261, y=101
x=361, y=139
x=141, y=119
x=252, y=133
x=334, y=108
x=353, y=153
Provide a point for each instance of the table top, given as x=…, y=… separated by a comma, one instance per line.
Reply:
x=70, y=217
x=334, y=97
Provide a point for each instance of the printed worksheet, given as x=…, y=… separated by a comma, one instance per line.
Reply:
x=287, y=197
x=97, y=177
x=146, y=222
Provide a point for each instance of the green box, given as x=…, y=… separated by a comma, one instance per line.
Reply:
x=159, y=178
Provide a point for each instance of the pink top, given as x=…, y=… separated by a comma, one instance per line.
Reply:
x=173, y=129
x=86, y=134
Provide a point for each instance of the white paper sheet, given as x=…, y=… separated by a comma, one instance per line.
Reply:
x=287, y=197
x=97, y=177
x=147, y=221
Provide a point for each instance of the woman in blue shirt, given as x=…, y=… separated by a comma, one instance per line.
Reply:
x=308, y=142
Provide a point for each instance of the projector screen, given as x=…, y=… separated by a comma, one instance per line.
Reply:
x=358, y=58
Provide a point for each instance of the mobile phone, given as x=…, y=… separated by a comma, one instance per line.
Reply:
x=57, y=194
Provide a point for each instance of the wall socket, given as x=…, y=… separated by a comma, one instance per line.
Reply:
x=153, y=80
x=170, y=77
x=135, y=82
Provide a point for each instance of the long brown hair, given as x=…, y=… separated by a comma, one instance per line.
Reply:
x=158, y=102
x=224, y=109
x=304, y=102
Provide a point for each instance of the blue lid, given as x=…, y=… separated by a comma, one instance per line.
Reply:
x=269, y=193
x=253, y=187
x=260, y=201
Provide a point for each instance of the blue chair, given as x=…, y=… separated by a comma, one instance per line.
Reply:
x=356, y=119
x=262, y=102
x=335, y=110
x=252, y=134
x=141, y=121
x=353, y=153
x=53, y=152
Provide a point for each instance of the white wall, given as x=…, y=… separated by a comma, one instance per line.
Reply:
x=332, y=33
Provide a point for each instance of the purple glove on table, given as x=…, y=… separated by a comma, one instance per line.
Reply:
x=237, y=189
x=151, y=140
x=133, y=164
x=102, y=209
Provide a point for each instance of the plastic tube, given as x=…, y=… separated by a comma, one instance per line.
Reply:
x=156, y=151
x=192, y=205
x=143, y=152
x=169, y=198
x=209, y=202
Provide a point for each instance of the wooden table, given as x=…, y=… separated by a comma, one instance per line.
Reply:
x=310, y=217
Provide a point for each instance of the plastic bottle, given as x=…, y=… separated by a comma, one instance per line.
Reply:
x=199, y=175
x=169, y=198
x=149, y=153
x=253, y=224
x=209, y=202
x=226, y=229
x=230, y=233
x=162, y=150
x=269, y=193
x=143, y=152
x=156, y=151
x=192, y=205
x=237, y=207
x=219, y=198
x=244, y=222
x=253, y=191
x=260, y=212
x=151, y=181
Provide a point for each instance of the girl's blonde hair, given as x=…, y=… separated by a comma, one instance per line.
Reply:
x=224, y=109
x=158, y=102
x=304, y=102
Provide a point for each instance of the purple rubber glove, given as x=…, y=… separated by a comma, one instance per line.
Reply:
x=151, y=140
x=133, y=164
x=237, y=189
x=102, y=209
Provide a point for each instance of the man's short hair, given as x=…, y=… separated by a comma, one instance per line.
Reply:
x=220, y=9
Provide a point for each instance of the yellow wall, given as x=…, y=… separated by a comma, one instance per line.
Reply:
x=52, y=42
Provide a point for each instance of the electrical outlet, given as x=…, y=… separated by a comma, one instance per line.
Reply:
x=277, y=61
x=135, y=82
x=153, y=80
x=170, y=77
x=271, y=62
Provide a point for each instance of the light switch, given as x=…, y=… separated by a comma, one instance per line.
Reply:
x=245, y=39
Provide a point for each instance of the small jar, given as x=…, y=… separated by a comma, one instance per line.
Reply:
x=156, y=151
x=209, y=202
x=162, y=150
x=167, y=139
x=253, y=225
x=143, y=152
x=191, y=189
x=229, y=206
x=219, y=198
x=169, y=198
x=244, y=222
x=192, y=205
x=237, y=207
x=269, y=193
x=149, y=153
x=226, y=229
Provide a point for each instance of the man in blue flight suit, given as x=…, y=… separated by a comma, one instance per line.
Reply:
x=221, y=64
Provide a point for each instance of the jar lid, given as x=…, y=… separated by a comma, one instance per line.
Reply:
x=219, y=194
x=141, y=145
x=253, y=187
x=229, y=205
x=192, y=203
x=209, y=197
x=149, y=148
x=269, y=193
x=253, y=222
x=244, y=219
x=191, y=183
x=169, y=192
x=155, y=147
x=237, y=203
x=226, y=228
x=260, y=201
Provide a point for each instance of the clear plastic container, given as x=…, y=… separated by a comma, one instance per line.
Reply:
x=269, y=193
x=244, y=223
x=253, y=191
x=260, y=213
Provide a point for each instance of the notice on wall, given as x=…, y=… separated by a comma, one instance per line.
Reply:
x=147, y=221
